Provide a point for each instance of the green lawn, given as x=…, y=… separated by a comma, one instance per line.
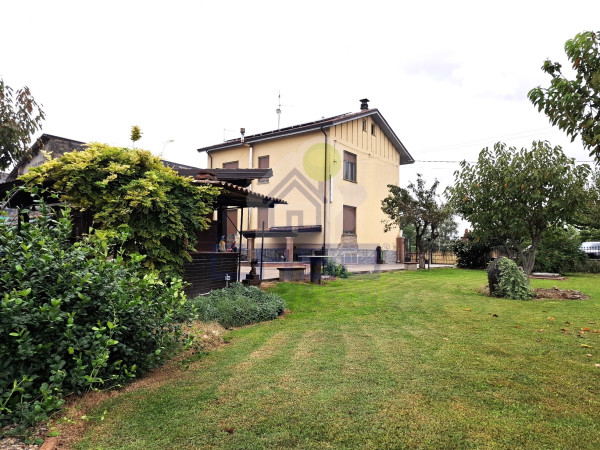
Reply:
x=404, y=359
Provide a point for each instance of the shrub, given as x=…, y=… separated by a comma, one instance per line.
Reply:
x=588, y=266
x=559, y=251
x=74, y=317
x=511, y=283
x=471, y=254
x=238, y=305
x=334, y=269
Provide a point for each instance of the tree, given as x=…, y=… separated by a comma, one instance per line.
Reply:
x=421, y=211
x=574, y=105
x=121, y=186
x=136, y=135
x=20, y=117
x=512, y=196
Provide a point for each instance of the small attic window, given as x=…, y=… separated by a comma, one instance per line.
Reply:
x=364, y=125
x=373, y=129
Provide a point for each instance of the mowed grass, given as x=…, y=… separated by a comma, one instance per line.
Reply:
x=395, y=360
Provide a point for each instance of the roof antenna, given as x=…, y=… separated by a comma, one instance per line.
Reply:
x=278, y=111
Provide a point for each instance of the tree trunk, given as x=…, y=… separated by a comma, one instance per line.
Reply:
x=422, y=259
x=528, y=256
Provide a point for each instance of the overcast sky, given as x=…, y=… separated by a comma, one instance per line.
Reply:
x=450, y=77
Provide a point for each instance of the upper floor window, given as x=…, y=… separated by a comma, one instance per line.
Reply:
x=231, y=165
x=373, y=129
x=263, y=163
x=364, y=125
x=349, y=166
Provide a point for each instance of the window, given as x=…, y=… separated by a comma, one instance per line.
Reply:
x=364, y=125
x=373, y=129
x=349, y=166
x=263, y=163
x=262, y=215
x=231, y=165
x=349, y=220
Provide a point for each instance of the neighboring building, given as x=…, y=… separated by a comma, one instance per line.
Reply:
x=46, y=145
x=333, y=174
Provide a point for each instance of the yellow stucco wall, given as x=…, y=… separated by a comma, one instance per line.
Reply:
x=297, y=163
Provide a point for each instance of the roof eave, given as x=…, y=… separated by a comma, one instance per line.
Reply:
x=405, y=156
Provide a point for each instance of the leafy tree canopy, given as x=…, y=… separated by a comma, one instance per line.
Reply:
x=574, y=105
x=512, y=196
x=417, y=206
x=122, y=186
x=20, y=117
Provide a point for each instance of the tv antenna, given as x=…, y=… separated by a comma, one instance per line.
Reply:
x=278, y=110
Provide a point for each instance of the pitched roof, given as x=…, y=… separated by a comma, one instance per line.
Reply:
x=58, y=146
x=405, y=157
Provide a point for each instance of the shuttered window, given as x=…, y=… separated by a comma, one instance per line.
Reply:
x=262, y=216
x=349, y=220
x=231, y=165
x=263, y=163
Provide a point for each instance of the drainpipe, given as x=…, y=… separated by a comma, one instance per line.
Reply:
x=210, y=156
x=324, y=193
x=250, y=156
x=330, y=177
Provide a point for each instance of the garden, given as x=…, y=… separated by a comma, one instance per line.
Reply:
x=404, y=359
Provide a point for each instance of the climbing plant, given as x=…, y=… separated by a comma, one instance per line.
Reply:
x=132, y=187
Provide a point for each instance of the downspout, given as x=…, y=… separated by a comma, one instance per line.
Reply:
x=324, y=193
x=250, y=157
x=210, y=156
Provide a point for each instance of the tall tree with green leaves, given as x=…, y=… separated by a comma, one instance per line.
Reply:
x=120, y=186
x=574, y=105
x=417, y=206
x=513, y=196
x=20, y=118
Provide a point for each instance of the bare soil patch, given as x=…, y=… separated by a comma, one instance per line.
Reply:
x=559, y=294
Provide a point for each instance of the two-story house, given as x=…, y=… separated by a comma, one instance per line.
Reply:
x=333, y=174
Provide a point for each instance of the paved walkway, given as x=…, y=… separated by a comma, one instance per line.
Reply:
x=270, y=271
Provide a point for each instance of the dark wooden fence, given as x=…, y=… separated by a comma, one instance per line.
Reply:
x=208, y=271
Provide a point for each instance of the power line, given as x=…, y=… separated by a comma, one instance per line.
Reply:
x=473, y=162
x=519, y=134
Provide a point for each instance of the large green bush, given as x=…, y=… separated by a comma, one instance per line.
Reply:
x=559, y=251
x=238, y=305
x=74, y=317
x=471, y=253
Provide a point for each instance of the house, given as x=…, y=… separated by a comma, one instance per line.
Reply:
x=333, y=173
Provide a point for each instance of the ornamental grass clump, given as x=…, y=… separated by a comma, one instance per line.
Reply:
x=238, y=305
